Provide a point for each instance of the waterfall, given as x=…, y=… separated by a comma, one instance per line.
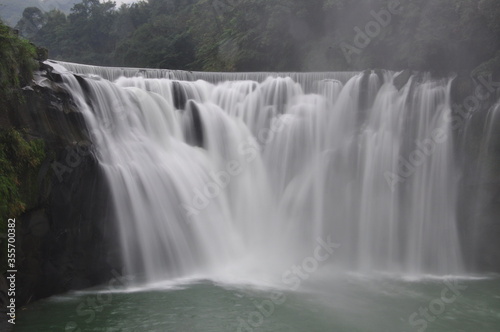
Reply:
x=215, y=173
x=481, y=146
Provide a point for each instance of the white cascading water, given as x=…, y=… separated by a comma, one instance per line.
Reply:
x=484, y=164
x=243, y=173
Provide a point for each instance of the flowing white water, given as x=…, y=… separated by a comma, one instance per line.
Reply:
x=241, y=174
x=484, y=163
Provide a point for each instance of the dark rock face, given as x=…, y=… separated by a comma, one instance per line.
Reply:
x=179, y=95
x=194, y=124
x=66, y=240
x=401, y=79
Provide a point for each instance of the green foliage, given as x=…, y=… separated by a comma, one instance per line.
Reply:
x=11, y=10
x=16, y=57
x=19, y=163
x=16, y=65
x=20, y=160
x=159, y=44
x=53, y=35
x=278, y=35
x=31, y=22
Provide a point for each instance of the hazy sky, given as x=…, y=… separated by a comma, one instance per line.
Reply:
x=119, y=2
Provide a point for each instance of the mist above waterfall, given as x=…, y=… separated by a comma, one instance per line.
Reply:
x=440, y=36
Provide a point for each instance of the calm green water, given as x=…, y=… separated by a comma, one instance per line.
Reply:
x=343, y=304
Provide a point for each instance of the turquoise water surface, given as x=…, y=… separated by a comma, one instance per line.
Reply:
x=353, y=303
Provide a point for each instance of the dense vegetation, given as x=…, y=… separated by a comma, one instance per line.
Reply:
x=16, y=63
x=20, y=156
x=20, y=161
x=278, y=35
x=17, y=155
x=11, y=10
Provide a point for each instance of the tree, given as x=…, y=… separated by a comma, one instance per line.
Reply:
x=54, y=35
x=157, y=44
x=278, y=35
x=89, y=25
x=32, y=21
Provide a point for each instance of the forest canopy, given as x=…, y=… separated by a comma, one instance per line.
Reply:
x=278, y=35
